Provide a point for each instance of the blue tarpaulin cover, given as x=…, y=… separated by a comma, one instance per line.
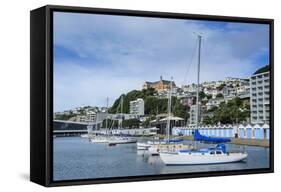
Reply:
x=199, y=137
x=221, y=147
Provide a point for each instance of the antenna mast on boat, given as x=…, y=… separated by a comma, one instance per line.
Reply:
x=198, y=80
x=169, y=109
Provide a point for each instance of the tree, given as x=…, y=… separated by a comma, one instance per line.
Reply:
x=214, y=108
x=131, y=123
x=221, y=86
x=153, y=105
x=202, y=95
x=64, y=116
x=179, y=109
x=203, y=102
x=208, y=96
x=231, y=112
x=208, y=121
x=219, y=95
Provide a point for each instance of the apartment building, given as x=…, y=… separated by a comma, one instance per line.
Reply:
x=260, y=96
x=137, y=107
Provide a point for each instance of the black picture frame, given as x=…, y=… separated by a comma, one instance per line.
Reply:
x=41, y=99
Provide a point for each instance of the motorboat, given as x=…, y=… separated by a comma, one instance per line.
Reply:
x=121, y=140
x=99, y=139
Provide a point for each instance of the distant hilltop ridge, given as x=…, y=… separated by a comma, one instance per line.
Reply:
x=262, y=70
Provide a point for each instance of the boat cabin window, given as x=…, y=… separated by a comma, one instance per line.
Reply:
x=218, y=152
x=212, y=152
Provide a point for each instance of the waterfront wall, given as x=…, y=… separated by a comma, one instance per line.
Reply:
x=250, y=131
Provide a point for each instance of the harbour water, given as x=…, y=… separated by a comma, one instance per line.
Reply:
x=77, y=158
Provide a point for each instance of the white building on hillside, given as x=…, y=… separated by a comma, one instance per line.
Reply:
x=137, y=107
x=214, y=103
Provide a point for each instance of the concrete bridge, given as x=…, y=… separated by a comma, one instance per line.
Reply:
x=72, y=128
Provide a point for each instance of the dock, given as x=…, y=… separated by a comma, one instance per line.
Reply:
x=237, y=141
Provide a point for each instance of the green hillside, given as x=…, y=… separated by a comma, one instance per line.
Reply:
x=153, y=105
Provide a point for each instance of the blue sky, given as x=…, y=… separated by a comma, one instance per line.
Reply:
x=99, y=56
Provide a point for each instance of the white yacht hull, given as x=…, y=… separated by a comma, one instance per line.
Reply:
x=199, y=158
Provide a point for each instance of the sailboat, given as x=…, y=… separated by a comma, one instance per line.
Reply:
x=144, y=145
x=215, y=155
x=121, y=139
x=101, y=138
x=167, y=144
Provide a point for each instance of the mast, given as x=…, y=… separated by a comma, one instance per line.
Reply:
x=198, y=80
x=169, y=109
x=106, y=120
x=121, y=111
x=96, y=121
